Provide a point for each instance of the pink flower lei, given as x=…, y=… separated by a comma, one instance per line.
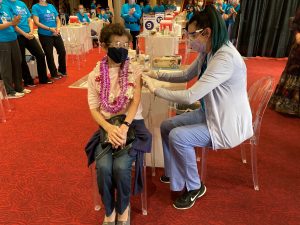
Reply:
x=120, y=101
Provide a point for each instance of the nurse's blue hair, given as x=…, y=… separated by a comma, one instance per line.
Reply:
x=210, y=17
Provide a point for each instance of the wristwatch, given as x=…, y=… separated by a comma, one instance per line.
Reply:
x=126, y=123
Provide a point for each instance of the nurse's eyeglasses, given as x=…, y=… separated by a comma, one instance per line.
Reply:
x=119, y=44
x=193, y=35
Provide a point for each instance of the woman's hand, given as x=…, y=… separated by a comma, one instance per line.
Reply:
x=16, y=20
x=298, y=38
x=115, y=136
x=54, y=32
x=29, y=36
x=124, y=130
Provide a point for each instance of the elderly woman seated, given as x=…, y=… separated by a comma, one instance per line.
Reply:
x=114, y=93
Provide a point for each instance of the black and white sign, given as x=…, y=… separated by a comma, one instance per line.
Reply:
x=149, y=22
x=159, y=17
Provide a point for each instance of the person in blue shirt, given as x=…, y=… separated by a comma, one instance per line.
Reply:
x=142, y=5
x=93, y=9
x=103, y=16
x=131, y=13
x=27, y=40
x=85, y=20
x=170, y=6
x=10, y=55
x=147, y=8
x=221, y=6
x=82, y=17
x=158, y=8
x=45, y=16
x=93, y=5
x=233, y=7
x=191, y=3
x=109, y=14
x=190, y=13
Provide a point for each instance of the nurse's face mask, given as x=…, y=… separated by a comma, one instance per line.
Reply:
x=197, y=40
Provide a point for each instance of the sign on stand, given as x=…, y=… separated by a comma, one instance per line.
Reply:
x=149, y=22
x=159, y=17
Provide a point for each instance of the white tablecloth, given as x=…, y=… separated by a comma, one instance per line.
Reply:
x=161, y=45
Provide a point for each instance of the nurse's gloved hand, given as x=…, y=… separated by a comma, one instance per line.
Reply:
x=151, y=73
x=148, y=83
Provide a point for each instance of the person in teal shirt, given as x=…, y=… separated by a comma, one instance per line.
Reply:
x=109, y=14
x=45, y=16
x=82, y=17
x=190, y=13
x=85, y=20
x=27, y=40
x=147, y=8
x=233, y=7
x=142, y=5
x=103, y=16
x=131, y=13
x=10, y=55
x=191, y=3
x=93, y=5
x=170, y=6
x=159, y=8
x=221, y=6
x=93, y=9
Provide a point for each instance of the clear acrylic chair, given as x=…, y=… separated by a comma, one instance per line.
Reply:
x=97, y=198
x=97, y=37
x=73, y=46
x=5, y=106
x=259, y=95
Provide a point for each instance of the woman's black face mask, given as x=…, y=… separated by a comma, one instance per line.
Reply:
x=118, y=55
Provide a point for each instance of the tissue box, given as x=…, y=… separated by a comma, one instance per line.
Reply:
x=168, y=62
x=74, y=19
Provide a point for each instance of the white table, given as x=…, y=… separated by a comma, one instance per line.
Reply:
x=161, y=45
x=155, y=111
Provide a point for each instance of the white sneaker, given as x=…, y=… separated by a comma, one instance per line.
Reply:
x=15, y=95
x=26, y=91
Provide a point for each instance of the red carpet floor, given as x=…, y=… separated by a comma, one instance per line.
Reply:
x=44, y=178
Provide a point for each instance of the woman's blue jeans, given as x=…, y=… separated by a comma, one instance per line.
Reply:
x=114, y=174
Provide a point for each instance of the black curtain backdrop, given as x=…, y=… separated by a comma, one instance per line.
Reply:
x=264, y=27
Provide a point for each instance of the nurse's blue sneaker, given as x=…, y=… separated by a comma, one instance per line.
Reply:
x=188, y=199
